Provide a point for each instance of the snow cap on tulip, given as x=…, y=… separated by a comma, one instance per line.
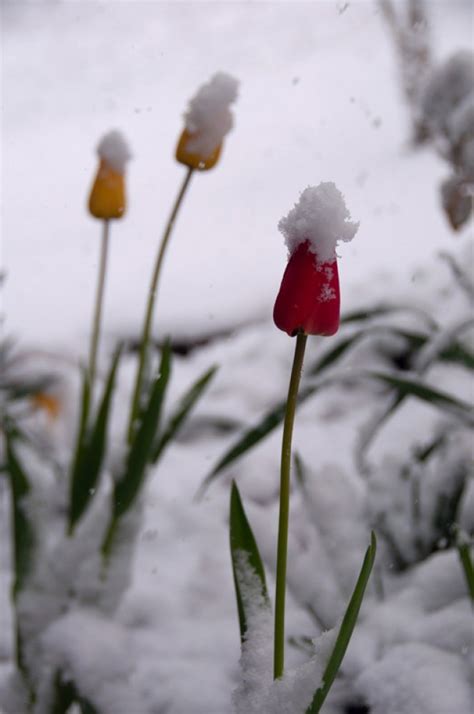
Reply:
x=320, y=218
x=207, y=120
x=309, y=299
x=114, y=150
x=107, y=198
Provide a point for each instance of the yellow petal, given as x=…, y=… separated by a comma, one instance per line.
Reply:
x=193, y=160
x=107, y=199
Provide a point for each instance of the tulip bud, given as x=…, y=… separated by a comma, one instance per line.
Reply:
x=107, y=198
x=207, y=121
x=309, y=300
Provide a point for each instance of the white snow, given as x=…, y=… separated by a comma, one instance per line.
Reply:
x=164, y=623
x=319, y=217
x=257, y=692
x=208, y=118
x=114, y=150
x=416, y=678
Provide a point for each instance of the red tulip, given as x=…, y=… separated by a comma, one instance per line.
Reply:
x=308, y=300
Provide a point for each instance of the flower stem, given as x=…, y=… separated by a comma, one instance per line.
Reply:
x=151, y=303
x=98, y=302
x=282, y=550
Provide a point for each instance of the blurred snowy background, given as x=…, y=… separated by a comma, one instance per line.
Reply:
x=320, y=100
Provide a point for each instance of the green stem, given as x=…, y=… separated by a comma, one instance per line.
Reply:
x=282, y=551
x=151, y=302
x=98, y=302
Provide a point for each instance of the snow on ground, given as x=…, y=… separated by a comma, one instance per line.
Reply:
x=318, y=101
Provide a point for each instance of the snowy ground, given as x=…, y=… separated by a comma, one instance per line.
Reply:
x=319, y=101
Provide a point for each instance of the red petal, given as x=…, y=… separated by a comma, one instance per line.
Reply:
x=309, y=299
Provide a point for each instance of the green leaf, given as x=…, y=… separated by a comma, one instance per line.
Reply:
x=458, y=354
x=242, y=541
x=346, y=629
x=415, y=388
x=181, y=413
x=447, y=506
x=253, y=436
x=404, y=387
x=300, y=470
x=415, y=341
x=88, y=465
x=76, y=468
x=467, y=566
x=65, y=693
x=23, y=537
x=333, y=355
x=369, y=313
x=139, y=456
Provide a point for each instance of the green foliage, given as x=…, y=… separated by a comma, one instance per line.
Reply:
x=65, y=694
x=148, y=443
x=254, y=436
x=129, y=482
x=381, y=310
x=400, y=385
x=243, y=543
x=181, y=413
x=91, y=447
x=23, y=536
x=345, y=631
x=464, y=552
x=417, y=388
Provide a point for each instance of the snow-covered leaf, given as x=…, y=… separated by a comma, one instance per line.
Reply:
x=242, y=541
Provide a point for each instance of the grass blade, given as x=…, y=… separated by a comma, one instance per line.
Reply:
x=404, y=387
x=379, y=310
x=129, y=483
x=181, y=413
x=128, y=486
x=415, y=341
x=346, y=629
x=23, y=539
x=242, y=541
x=253, y=436
x=467, y=566
x=82, y=430
x=415, y=388
x=66, y=694
x=333, y=355
x=88, y=466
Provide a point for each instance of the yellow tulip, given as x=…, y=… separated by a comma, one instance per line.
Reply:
x=193, y=159
x=107, y=198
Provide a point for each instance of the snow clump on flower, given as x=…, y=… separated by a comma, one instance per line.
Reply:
x=318, y=218
x=208, y=118
x=114, y=150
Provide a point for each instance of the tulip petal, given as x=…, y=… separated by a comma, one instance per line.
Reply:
x=309, y=299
